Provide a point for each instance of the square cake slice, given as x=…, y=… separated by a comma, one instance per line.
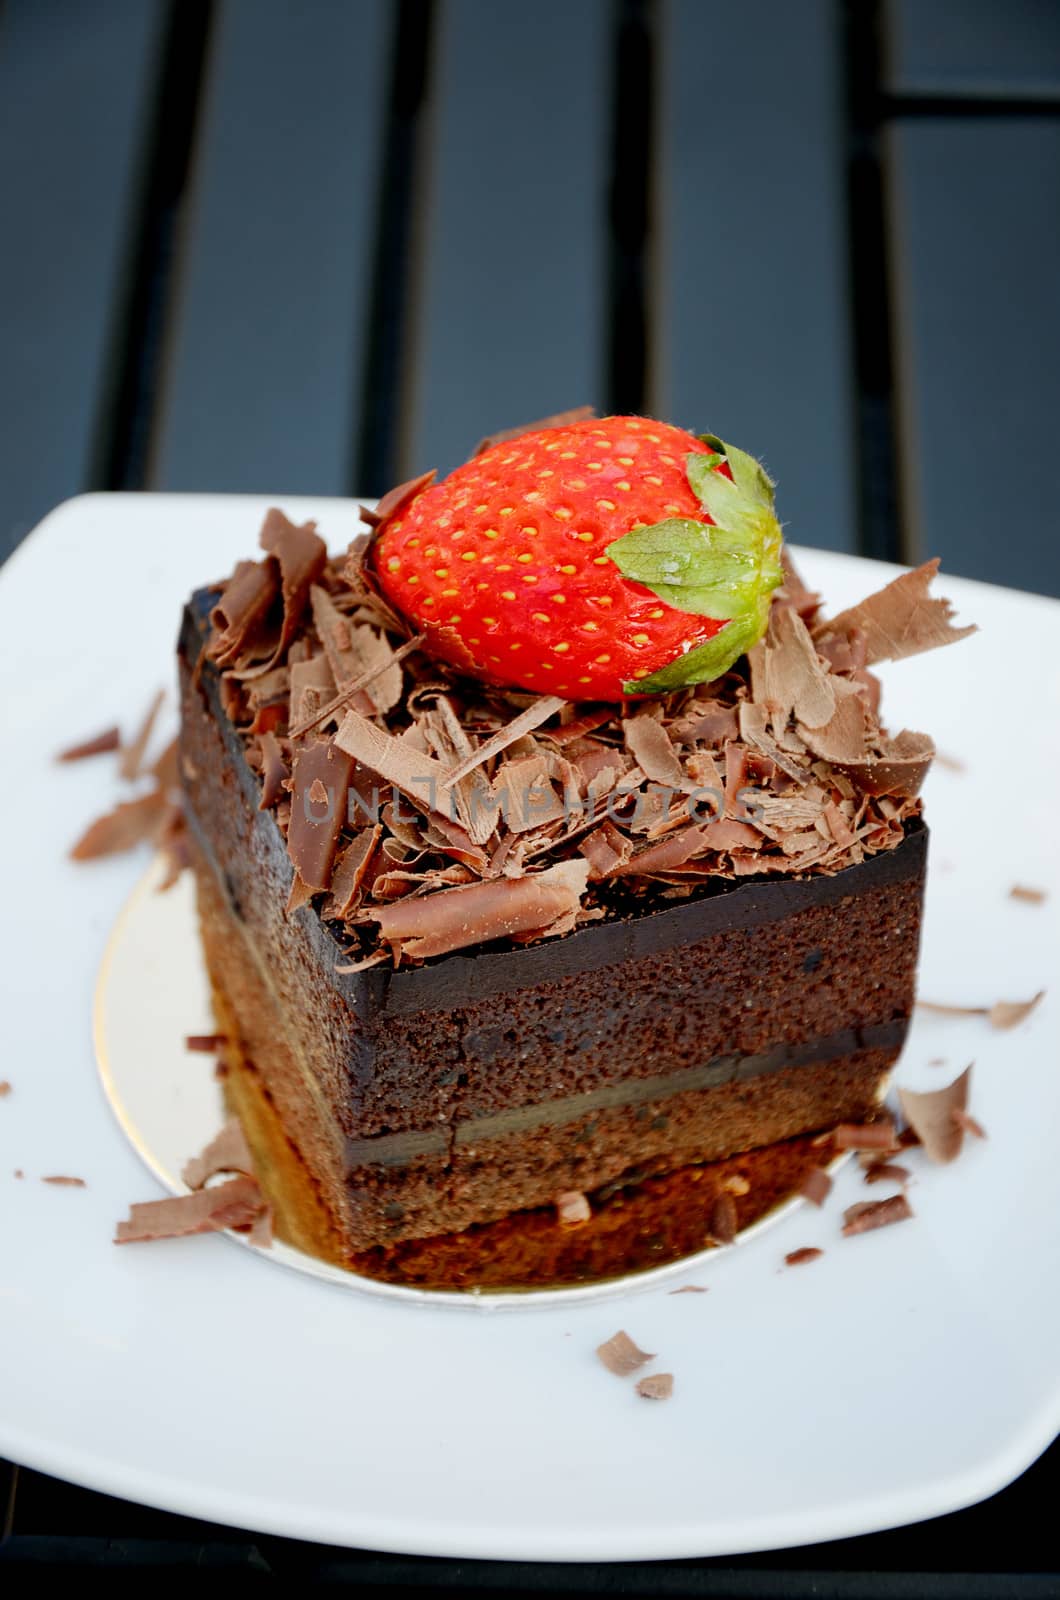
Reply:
x=479, y=950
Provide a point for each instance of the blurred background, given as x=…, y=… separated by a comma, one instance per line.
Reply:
x=316, y=245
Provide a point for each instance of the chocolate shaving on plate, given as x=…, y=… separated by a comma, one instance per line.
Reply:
x=102, y=744
x=816, y=1186
x=1009, y=1013
x=689, y=1288
x=235, y=1204
x=1032, y=897
x=931, y=1114
x=226, y=1152
x=559, y=419
x=866, y=1215
x=800, y=1257
x=1002, y=1014
x=61, y=1181
x=5, y=1088
x=130, y=763
x=886, y=1172
x=205, y=1043
x=968, y=1124
x=621, y=1356
x=572, y=1208
x=656, y=1386
x=129, y=824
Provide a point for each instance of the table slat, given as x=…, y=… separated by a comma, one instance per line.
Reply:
x=976, y=47
x=263, y=387
x=76, y=96
x=976, y=232
x=514, y=279
x=754, y=299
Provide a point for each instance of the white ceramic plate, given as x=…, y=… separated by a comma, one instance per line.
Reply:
x=903, y=1374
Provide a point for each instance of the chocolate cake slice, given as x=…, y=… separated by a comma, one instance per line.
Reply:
x=473, y=949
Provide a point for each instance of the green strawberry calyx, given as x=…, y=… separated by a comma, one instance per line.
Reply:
x=725, y=569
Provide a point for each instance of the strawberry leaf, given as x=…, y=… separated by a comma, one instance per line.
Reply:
x=710, y=571
x=749, y=475
x=706, y=661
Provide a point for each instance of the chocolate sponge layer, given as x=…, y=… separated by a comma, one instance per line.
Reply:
x=416, y=1103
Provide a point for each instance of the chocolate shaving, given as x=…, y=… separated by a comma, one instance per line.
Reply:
x=397, y=499
x=559, y=419
x=816, y=1186
x=886, y=1172
x=130, y=763
x=234, y=1204
x=480, y=912
x=968, y=1124
x=1009, y=1013
x=128, y=825
x=572, y=1208
x=722, y=1225
x=102, y=744
x=297, y=555
x=205, y=1043
x=656, y=1386
x=1033, y=897
x=5, y=1088
x=799, y=1258
x=228, y=1151
x=689, y=1288
x=621, y=1356
x=648, y=743
x=864, y=1136
x=357, y=653
x=901, y=619
x=350, y=872
x=932, y=1114
x=796, y=679
x=320, y=777
x=1002, y=1014
x=526, y=722
x=866, y=1215
x=61, y=1181
x=275, y=772
x=241, y=614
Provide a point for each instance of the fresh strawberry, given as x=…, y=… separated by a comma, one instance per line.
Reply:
x=595, y=560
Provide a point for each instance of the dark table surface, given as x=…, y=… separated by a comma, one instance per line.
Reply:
x=311, y=248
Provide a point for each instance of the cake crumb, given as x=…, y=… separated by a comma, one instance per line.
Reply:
x=656, y=1386
x=800, y=1257
x=205, y=1043
x=621, y=1356
x=572, y=1208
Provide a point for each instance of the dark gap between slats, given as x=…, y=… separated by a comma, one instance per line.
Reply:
x=1007, y=104
x=122, y=449
x=377, y=455
x=629, y=210
x=875, y=432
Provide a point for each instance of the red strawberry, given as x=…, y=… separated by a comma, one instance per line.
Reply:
x=598, y=559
